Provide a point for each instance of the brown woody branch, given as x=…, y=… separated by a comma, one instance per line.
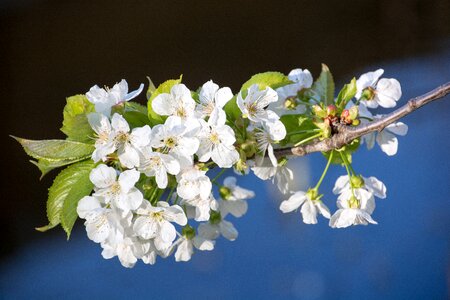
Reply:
x=347, y=134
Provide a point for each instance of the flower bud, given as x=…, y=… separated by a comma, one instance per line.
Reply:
x=241, y=166
x=356, y=122
x=249, y=148
x=331, y=110
x=224, y=192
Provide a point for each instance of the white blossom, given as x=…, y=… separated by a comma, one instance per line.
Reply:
x=356, y=200
x=104, y=99
x=212, y=98
x=155, y=222
x=386, y=138
x=199, y=208
x=212, y=231
x=186, y=243
x=175, y=138
x=126, y=247
x=280, y=174
x=310, y=207
x=178, y=103
x=117, y=136
x=270, y=132
x=98, y=218
x=288, y=102
x=384, y=92
x=217, y=141
x=253, y=106
x=192, y=183
x=118, y=191
x=159, y=165
x=234, y=198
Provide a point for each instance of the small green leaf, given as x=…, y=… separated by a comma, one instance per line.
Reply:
x=56, y=150
x=323, y=87
x=271, y=79
x=346, y=94
x=75, y=123
x=68, y=188
x=151, y=88
x=298, y=127
x=162, y=88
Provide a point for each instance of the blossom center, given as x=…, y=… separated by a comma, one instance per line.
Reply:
x=170, y=142
x=214, y=138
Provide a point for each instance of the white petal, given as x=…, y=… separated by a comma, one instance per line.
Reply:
x=387, y=142
x=223, y=95
x=103, y=176
x=86, y=205
x=309, y=212
x=323, y=209
x=342, y=183
x=145, y=227
x=161, y=178
x=128, y=179
x=208, y=231
x=184, y=251
x=236, y=208
x=376, y=186
x=134, y=94
x=293, y=202
x=228, y=231
x=175, y=214
x=398, y=128
x=168, y=232
x=203, y=244
x=388, y=92
x=140, y=137
x=367, y=80
x=171, y=164
x=163, y=105
x=119, y=124
x=129, y=156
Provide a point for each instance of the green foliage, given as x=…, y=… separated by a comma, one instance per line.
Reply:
x=271, y=79
x=298, y=127
x=52, y=154
x=162, y=88
x=135, y=114
x=75, y=123
x=68, y=188
x=346, y=94
x=323, y=87
x=232, y=110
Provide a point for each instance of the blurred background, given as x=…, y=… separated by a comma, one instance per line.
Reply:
x=53, y=49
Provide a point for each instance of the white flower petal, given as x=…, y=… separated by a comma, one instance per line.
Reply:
x=103, y=176
x=293, y=202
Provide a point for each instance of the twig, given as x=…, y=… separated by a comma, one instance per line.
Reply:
x=347, y=134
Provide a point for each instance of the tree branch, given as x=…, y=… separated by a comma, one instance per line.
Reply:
x=346, y=134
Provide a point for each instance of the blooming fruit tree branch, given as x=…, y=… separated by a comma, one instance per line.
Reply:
x=147, y=179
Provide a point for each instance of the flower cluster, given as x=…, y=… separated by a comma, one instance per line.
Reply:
x=154, y=172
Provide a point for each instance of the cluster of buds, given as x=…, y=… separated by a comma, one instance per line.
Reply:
x=328, y=118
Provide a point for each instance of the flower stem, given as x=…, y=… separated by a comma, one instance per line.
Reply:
x=308, y=139
x=170, y=194
x=330, y=158
x=218, y=176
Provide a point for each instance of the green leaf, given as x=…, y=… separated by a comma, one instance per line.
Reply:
x=151, y=88
x=232, y=110
x=298, y=127
x=346, y=94
x=56, y=150
x=162, y=88
x=323, y=87
x=46, y=166
x=135, y=114
x=68, y=188
x=75, y=123
x=271, y=79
